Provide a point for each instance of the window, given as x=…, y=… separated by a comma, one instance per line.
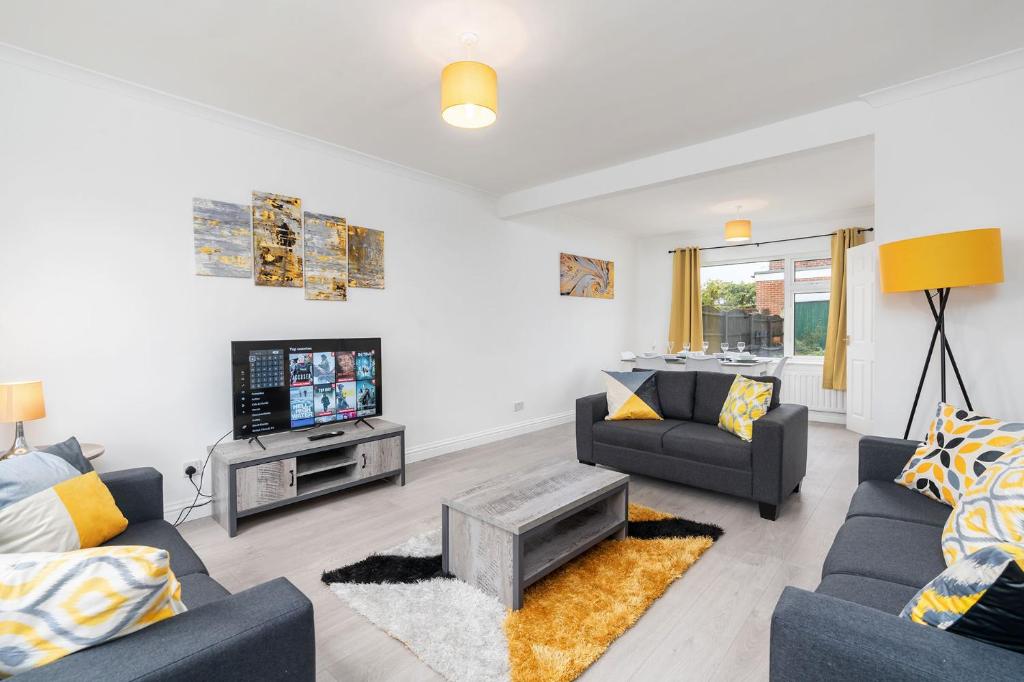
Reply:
x=774, y=307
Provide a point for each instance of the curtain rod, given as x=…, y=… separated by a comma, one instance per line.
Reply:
x=775, y=241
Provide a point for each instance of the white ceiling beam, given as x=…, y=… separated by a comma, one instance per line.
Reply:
x=828, y=126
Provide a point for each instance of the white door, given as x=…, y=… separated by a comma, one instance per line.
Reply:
x=861, y=285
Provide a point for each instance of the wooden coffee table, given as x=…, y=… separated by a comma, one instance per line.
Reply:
x=509, y=532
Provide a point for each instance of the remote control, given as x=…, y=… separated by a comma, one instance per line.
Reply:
x=325, y=434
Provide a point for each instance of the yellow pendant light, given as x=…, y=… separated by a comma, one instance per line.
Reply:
x=469, y=92
x=738, y=230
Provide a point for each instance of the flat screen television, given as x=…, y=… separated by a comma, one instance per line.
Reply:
x=303, y=383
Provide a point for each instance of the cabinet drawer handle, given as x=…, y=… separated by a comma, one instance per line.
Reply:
x=364, y=460
x=292, y=482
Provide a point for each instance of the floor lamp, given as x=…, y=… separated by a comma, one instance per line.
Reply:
x=936, y=264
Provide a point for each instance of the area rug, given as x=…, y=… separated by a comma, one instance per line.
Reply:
x=567, y=621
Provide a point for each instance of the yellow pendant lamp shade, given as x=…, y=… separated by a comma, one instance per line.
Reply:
x=469, y=95
x=938, y=261
x=737, y=231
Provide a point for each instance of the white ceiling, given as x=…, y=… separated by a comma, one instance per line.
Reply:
x=786, y=190
x=583, y=83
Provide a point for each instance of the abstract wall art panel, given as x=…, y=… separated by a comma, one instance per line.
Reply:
x=586, y=277
x=223, y=238
x=365, y=258
x=325, y=259
x=277, y=239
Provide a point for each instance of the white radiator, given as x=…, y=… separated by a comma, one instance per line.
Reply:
x=801, y=384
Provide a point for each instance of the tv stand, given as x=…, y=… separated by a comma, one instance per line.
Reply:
x=361, y=419
x=254, y=476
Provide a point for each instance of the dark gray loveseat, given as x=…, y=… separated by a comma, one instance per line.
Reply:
x=849, y=628
x=688, y=447
x=264, y=633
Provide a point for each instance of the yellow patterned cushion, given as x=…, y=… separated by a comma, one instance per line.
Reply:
x=959, y=447
x=990, y=512
x=747, y=401
x=632, y=395
x=74, y=514
x=53, y=604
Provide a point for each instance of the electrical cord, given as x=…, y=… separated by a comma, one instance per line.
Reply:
x=199, y=488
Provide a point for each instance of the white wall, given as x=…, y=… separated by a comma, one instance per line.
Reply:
x=945, y=161
x=101, y=303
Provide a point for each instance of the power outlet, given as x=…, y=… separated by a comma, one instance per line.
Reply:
x=197, y=464
x=518, y=406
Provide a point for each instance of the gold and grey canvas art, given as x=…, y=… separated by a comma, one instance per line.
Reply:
x=365, y=257
x=223, y=238
x=586, y=277
x=325, y=259
x=277, y=239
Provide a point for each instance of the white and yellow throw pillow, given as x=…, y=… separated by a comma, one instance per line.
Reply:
x=53, y=604
x=632, y=395
x=74, y=514
x=747, y=402
x=959, y=447
x=991, y=512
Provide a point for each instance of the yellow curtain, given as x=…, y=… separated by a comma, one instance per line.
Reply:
x=834, y=370
x=686, y=325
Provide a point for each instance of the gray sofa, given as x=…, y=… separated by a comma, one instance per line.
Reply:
x=688, y=447
x=849, y=628
x=263, y=633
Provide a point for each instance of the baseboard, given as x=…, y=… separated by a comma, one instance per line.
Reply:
x=469, y=440
x=421, y=452
x=826, y=417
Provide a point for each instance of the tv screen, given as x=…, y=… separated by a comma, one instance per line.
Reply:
x=299, y=384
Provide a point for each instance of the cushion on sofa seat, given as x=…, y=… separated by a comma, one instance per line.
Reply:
x=675, y=391
x=707, y=444
x=888, y=500
x=199, y=589
x=159, y=533
x=886, y=549
x=877, y=594
x=638, y=434
x=713, y=388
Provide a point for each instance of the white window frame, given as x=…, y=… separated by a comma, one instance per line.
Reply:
x=791, y=288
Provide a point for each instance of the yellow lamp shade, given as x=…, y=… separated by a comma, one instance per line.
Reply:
x=737, y=231
x=469, y=95
x=21, y=401
x=950, y=259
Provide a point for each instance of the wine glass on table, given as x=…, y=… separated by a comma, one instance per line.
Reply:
x=741, y=345
x=686, y=349
x=725, y=347
x=706, y=345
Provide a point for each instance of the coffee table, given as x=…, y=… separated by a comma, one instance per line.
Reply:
x=509, y=532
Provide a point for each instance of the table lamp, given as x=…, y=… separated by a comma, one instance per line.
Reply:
x=20, y=401
x=935, y=264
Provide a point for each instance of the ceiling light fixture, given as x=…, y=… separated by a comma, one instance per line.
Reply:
x=737, y=230
x=469, y=91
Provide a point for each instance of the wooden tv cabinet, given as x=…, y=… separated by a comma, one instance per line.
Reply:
x=248, y=480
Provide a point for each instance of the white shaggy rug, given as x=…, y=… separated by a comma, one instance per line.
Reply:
x=453, y=627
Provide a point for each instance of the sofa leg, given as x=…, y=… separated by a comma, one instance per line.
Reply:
x=768, y=511
x=797, y=488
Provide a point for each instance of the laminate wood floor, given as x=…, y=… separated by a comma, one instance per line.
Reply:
x=712, y=624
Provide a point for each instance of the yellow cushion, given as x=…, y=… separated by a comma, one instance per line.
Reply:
x=747, y=402
x=74, y=514
x=53, y=604
x=632, y=395
x=991, y=512
x=959, y=447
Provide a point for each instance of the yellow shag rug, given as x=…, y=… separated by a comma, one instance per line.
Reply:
x=568, y=619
